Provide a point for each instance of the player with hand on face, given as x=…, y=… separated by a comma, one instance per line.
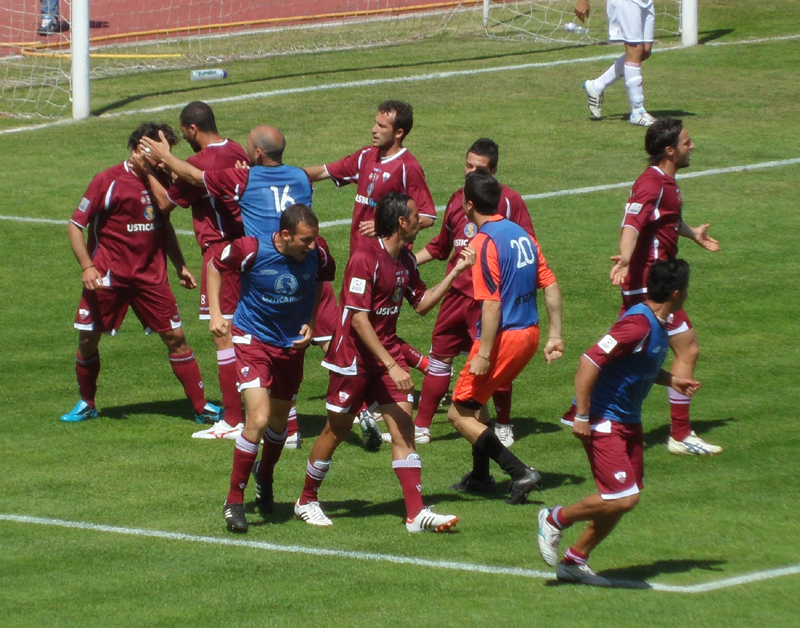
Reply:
x=510, y=270
x=456, y=323
x=366, y=358
x=651, y=227
x=282, y=275
x=613, y=380
x=125, y=265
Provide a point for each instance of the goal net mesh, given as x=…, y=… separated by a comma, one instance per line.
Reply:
x=128, y=36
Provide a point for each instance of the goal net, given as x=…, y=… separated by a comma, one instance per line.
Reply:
x=127, y=36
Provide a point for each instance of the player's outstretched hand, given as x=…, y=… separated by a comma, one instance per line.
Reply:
x=401, y=378
x=154, y=150
x=367, y=228
x=242, y=165
x=619, y=270
x=582, y=9
x=92, y=279
x=186, y=278
x=553, y=350
x=219, y=325
x=581, y=431
x=307, y=336
x=685, y=386
x=703, y=239
x=466, y=259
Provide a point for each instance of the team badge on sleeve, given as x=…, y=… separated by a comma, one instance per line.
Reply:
x=633, y=208
x=84, y=204
x=358, y=286
x=607, y=343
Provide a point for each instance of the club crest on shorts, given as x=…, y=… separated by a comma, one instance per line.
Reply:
x=620, y=476
x=286, y=284
x=343, y=396
x=470, y=230
x=245, y=371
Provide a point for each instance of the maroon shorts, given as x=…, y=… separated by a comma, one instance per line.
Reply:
x=229, y=290
x=616, y=454
x=677, y=323
x=260, y=365
x=456, y=325
x=371, y=385
x=327, y=315
x=104, y=310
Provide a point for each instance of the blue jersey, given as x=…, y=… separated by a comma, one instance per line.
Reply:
x=509, y=269
x=623, y=383
x=278, y=291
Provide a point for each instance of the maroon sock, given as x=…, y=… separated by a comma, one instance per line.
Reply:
x=244, y=457
x=415, y=359
x=315, y=474
x=188, y=373
x=435, y=385
x=291, y=422
x=409, y=472
x=557, y=519
x=270, y=454
x=87, y=370
x=680, y=427
x=231, y=399
x=502, y=404
x=574, y=557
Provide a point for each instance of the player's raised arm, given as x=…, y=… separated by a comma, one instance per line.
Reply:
x=317, y=173
x=160, y=151
x=434, y=295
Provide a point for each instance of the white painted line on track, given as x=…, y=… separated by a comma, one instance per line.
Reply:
x=398, y=560
x=527, y=197
x=384, y=81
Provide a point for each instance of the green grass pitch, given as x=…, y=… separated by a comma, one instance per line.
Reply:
x=699, y=520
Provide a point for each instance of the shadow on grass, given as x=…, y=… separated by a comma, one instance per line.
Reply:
x=177, y=408
x=636, y=576
x=660, y=435
x=707, y=36
x=183, y=89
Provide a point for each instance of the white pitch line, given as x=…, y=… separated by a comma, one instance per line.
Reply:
x=398, y=560
x=527, y=197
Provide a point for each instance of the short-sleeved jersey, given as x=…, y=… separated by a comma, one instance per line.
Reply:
x=127, y=232
x=278, y=291
x=214, y=218
x=654, y=210
x=376, y=283
x=375, y=177
x=629, y=357
x=262, y=192
x=457, y=232
x=510, y=268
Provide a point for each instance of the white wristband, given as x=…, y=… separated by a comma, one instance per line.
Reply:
x=582, y=418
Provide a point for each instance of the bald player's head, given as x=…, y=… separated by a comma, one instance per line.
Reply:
x=270, y=141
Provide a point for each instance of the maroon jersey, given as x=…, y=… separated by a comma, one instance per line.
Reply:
x=457, y=232
x=376, y=283
x=127, y=234
x=627, y=336
x=215, y=218
x=375, y=177
x=654, y=210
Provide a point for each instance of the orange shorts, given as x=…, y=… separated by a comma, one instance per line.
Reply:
x=512, y=350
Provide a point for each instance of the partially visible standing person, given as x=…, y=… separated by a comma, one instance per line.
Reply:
x=651, y=227
x=613, y=379
x=217, y=222
x=50, y=23
x=510, y=270
x=125, y=265
x=631, y=22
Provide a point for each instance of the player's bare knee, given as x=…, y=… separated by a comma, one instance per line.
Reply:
x=624, y=504
x=175, y=340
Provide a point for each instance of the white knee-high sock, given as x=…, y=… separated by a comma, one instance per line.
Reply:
x=614, y=73
x=633, y=81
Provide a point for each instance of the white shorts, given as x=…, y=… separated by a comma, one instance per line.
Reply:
x=631, y=21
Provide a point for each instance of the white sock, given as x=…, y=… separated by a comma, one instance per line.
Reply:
x=614, y=73
x=633, y=81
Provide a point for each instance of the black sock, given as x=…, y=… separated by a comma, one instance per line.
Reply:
x=490, y=445
x=480, y=463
